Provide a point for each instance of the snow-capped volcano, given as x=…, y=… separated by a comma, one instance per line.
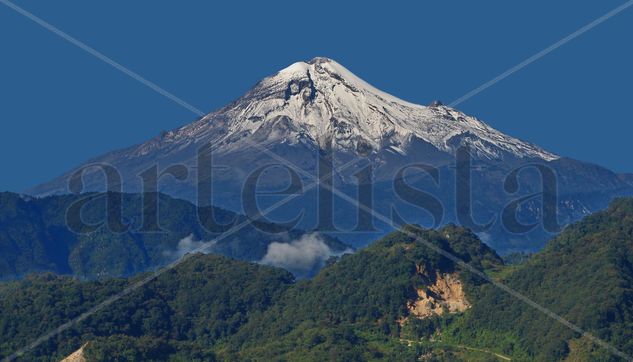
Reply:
x=322, y=104
x=306, y=110
x=319, y=110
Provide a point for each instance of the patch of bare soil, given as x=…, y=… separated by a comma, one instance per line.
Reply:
x=444, y=293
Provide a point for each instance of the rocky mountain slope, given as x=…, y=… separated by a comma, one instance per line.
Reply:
x=321, y=104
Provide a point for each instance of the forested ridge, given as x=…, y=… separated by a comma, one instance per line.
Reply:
x=36, y=236
x=356, y=308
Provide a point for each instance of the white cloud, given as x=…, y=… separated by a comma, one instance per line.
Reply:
x=302, y=257
x=186, y=245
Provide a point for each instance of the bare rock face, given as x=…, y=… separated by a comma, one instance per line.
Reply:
x=77, y=356
x=443, y=294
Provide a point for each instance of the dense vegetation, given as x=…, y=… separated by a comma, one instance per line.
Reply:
x=215, y=308
x=35, y=236
x=180, y=314
x=585, y=275
x=352, y=308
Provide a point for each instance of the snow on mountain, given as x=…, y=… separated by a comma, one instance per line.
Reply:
x=304, y=109
x=320, y=108
x=322, y=104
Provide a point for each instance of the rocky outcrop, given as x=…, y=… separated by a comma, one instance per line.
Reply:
x=443, y=294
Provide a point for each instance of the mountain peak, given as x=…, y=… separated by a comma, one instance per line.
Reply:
x=330, y=71
x=323, y=104
x=319, y=105
x=305, y=65
x=319, y=60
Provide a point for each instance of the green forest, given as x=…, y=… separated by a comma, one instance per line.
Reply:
x=213, y=307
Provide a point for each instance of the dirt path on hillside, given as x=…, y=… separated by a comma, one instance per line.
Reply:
x=498, y=355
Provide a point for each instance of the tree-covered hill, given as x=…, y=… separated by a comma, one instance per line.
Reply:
x=184, y=312
x=585, y=275
x=213, y=306
x=354, y=309
x=395, y=300
x=36, y=236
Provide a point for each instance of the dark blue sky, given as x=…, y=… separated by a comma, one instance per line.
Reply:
x=61, y=106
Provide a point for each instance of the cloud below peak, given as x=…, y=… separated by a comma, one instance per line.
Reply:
x=302, y=257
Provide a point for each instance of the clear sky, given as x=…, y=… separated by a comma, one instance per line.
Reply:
x=60, y=106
